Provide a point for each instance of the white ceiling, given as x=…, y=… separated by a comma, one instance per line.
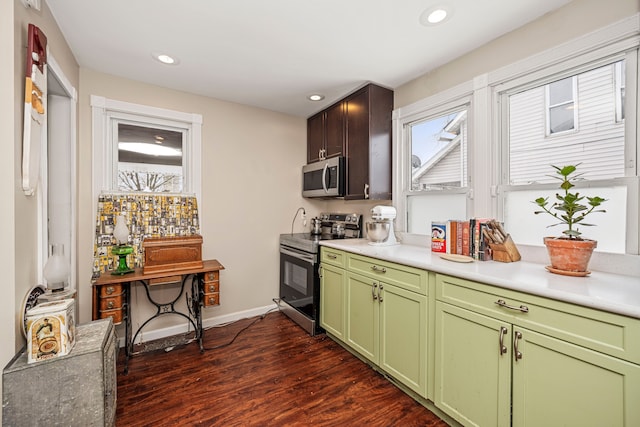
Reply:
x=273, y=53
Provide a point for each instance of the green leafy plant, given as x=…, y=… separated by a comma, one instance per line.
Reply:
x=569, y=208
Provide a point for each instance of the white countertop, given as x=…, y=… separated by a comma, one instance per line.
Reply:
x=604, y=291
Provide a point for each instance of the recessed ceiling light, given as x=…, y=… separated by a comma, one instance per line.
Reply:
x=165, y=59
x=435, y=15
x=316, y=97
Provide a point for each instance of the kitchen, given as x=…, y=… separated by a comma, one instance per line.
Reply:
x=250, y=155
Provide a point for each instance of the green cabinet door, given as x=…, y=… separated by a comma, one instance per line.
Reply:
x=403, y=336
x=473, y=367
x=362, y=329
x=332, y=300
x=558, y=383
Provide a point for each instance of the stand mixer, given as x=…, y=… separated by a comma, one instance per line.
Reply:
x=380, y=229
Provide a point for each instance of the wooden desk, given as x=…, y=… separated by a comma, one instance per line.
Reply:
x=112, y=297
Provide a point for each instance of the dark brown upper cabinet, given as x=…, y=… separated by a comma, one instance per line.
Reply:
x=357, y=127
x=325, y=133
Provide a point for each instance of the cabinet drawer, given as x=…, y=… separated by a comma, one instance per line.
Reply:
x=111, y=290
x=210, y=276
x=116, y=315
x=409, y=278
x=211, y=299
x=333, y=257
x=210, y=287
x=111, y=303
x=608, y=333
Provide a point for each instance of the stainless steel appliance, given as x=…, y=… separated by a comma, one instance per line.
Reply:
x=324, y=178
x=299, y=263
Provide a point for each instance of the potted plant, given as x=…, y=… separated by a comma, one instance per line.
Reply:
x=569, y=254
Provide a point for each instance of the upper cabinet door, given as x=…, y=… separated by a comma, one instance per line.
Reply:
x=334, y=130
x=315, y=137
x=368, y=144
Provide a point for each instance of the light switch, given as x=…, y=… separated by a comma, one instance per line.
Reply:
x=35, y=4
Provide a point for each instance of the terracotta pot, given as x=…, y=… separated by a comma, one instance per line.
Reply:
x=569, y=255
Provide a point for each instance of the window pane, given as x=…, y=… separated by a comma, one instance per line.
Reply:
x=435, y=207
x=439, y=152
x=561, y=118
x=598, y=142
x=149, y=159
x=561, y=91
x=527, y=228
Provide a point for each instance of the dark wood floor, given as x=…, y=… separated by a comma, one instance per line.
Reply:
x=273, y=374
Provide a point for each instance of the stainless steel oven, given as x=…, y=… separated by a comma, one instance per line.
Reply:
x=299, y=262
x=300, y=287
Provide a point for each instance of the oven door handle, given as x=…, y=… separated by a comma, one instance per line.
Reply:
x=305, y=257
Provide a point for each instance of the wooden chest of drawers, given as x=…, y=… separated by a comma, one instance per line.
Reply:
x=211, y=289
x=111, y=301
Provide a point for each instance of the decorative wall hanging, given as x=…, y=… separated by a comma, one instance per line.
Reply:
x=35, y=108
x=147, y=215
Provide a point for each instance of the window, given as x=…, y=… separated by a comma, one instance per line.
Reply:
x=561, y=109
x=594, y=97
x=149, y=158
x=433, y=157
x=145, y=149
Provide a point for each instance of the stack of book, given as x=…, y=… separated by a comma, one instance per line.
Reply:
x=477, y=238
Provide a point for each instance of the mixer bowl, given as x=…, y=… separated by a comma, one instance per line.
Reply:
x=378, y=232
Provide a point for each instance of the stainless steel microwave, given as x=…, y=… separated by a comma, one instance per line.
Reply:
x=324, y=178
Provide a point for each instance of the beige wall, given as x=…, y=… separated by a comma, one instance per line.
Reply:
x=569, y=22
x=251, y=160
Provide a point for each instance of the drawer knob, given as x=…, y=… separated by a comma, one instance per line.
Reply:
x=110, y=304
x=110, y=290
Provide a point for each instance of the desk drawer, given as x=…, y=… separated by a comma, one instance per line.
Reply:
x=210, y=300
x=210, y=276
x=111, y=290
x=116, y=315
x=211, y=287
x=112, y=303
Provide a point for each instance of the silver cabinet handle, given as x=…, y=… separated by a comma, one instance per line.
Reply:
x=377, y=269
x=503, y=348
x=332, y=256
x=366, y=191
x=522, y=308
x=373, y=291
x=380, y=293
x=516, y=353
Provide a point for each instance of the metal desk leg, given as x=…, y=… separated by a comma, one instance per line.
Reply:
x=165, y=308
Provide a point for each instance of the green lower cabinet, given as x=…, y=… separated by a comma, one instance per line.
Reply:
x=473, y=374
x=492, y=373
x=388, y=326
x=403, y=337
x=558, y=383
x=363, y=330
x=332, y=300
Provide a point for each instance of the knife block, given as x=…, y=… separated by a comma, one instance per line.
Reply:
x=505, y=251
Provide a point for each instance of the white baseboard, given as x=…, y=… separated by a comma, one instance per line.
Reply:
x=185, y=327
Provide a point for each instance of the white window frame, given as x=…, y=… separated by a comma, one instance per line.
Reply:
x=429, y=108
x=619, y=88
x=105, y=158
x=613, y=43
